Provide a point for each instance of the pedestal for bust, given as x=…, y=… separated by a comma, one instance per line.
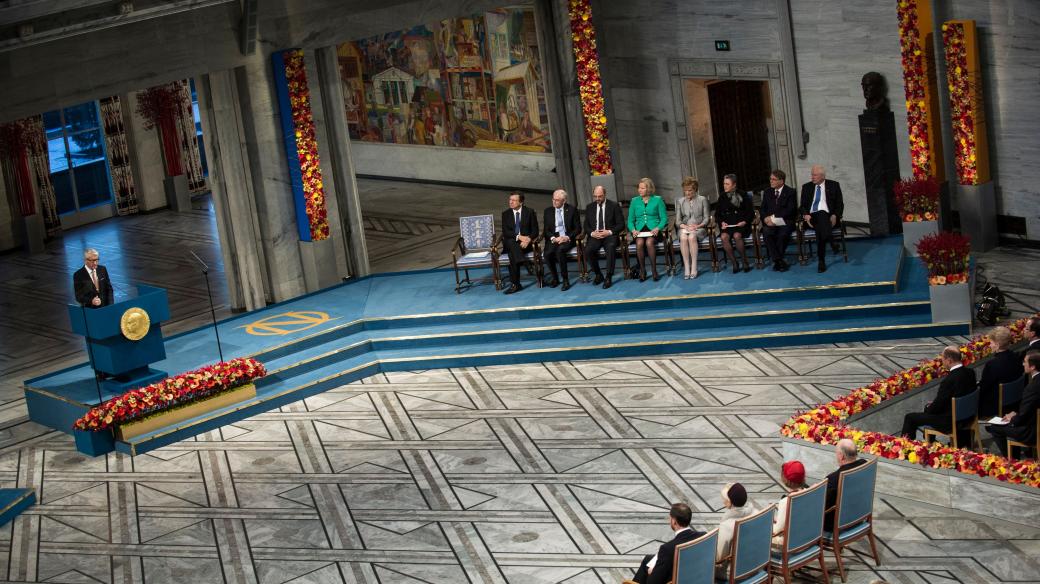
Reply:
x=877, y=135
x=178, y=196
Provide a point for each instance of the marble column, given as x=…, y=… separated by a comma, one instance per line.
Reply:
x=145, y=156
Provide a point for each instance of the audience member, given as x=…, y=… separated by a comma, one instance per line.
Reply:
x=734, y=215
x=959, y=382
x=792, y=478
x=519, y=228
x=734, y=499
x=1020, y=425
x=561, y=225
x=658, y=568
x=821, y=208
x=603, y=222
x=779, y=205
x=647, y=216
x=848, y=458
x=92, y=287
x=692, y=213
x=1032, y=333
x=1004, y=367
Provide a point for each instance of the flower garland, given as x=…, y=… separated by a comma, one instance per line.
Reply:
x=170, y=393
x=915, y=81
x=306, y=144
x=918, y=200
x=17, y=145
x=959, y=75
x=586, y=61
x=946, y=255
x=825, y=424
x=160, y=107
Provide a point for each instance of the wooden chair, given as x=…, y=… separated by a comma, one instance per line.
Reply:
x=695, y=560
x=705, y=244
x=622, y=242
x=753, y=238
x=803, y=533
x=748, y=555
x=533, y=258
x=1015, y=443
x=964, y=415
x=807, y=235
x=576, y=253
x=476, y=248
x=662, y=245
x=1010, y=393
x=853, y=512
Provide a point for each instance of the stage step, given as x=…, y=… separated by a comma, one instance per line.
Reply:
x=14, y=501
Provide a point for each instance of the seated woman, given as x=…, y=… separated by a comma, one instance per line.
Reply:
x=734, y=216
x=691, y=219
x=646, y=217
x=792, y=477
x=734, y=499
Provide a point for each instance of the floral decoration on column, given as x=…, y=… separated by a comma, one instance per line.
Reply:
x=590, y=88
x=915, y=30
x=963, y=75
x=301, y=144
x=160, y=108
x=15, y=144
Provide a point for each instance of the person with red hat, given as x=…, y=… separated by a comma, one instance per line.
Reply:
x=792, y=477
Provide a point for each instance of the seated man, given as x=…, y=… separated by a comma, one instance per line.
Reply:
x=958, y=383
x=603, y=222
x=519, y=228
x=821, y=208
x=1032, y=333
x=1004, y=367
x=778, y=202
x=848, y=457
x=561, y=227
x=657, y=569
x=1021, y=425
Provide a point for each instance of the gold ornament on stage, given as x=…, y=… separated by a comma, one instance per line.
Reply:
x=135, y=323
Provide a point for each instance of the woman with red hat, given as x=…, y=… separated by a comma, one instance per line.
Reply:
x=792, y=477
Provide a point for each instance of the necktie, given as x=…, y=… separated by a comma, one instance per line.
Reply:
x=816, y=199
x=93, y=278
x=778, y=195
x=559, y=221
x=516, y=224
x=599, y=217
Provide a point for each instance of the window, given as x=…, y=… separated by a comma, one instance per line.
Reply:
x=79, y=169
x=198, y=127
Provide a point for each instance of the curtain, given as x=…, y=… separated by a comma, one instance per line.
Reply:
x=40, y=163
x=118, y=155
x=189, y=141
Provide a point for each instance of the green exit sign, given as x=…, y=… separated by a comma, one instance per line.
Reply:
x=722, y=45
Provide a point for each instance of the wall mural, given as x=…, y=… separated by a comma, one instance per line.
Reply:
x=471, y=82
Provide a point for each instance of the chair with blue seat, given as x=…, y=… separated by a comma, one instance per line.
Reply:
x=1012, y=444
x=1009, y=393
x=803, y=533
x=477, y=247
x=748, y=555
x=576, y=253
x=964, y=415
x=707, y=243
x=853, y=513
x=807, y=235
x=695, y=560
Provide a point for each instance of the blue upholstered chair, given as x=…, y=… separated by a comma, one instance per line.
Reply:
x=475, y=248
x=964, y=415
x=695, y=560
x=853, y=512
x=706, y=244
x=807, y=235
x=803, y=532
x=1010, y=393
x=749, y=554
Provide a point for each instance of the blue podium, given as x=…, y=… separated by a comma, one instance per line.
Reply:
x=124, y=338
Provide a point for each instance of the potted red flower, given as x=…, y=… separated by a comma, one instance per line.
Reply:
x=918, y=204
x=946, y=255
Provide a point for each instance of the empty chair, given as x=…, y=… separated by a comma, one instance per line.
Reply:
x=964, y=415
x=803, y=533
x=749, y=553
x=853, y=512
x=475, y=248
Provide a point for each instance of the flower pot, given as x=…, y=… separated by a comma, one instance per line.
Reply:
x=951, y=302
x=187, y=412
x=913, y=231
x=94, y=443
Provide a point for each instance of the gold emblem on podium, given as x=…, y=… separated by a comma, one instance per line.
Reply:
x=135, y=323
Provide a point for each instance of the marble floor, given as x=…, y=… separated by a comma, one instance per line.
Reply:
x=556, y=472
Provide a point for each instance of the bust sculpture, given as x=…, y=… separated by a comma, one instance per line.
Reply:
x=875, y=91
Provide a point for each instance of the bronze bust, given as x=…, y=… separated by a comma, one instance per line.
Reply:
x=875, y=91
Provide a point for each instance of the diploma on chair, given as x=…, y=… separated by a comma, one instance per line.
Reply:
x=996, y=421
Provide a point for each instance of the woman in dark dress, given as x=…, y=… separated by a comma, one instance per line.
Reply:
x=734, y=216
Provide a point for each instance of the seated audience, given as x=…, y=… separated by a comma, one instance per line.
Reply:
x=647, y=216
x=821, y=208
x=734, y=499
x=603, y=222
x=658, y=568
x=519, y=228
x=959, y=382
x=1032, y=332
x=692, y=213
x=734, y=215
x=848, y=457
x=561, y=225
x=792, y=477
x=1020, y=425
x=779, y=202
x=1004, y=367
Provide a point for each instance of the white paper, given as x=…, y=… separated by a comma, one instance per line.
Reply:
x=996, y=421
x=778, y=221
x=647, y=234
x=479, y=254
x=650, y=565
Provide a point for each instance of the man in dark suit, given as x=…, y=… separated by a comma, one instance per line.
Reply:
x=1032, y=332
x=603, y=222
x=91, y=284
x=821, y=208
x=561, y=226
x=1021, y=425
x=1004, y=367
x=959, y=382
x=658, y=569
x=848, y=457
x=779, y=202
x=519, y=228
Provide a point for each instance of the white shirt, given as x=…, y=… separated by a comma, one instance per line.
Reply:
x=957, y=366
x=653, y=561
x=560, y=224
x=92, y=273
x=823, y=198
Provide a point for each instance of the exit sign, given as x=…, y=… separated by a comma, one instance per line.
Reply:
x=722, y=45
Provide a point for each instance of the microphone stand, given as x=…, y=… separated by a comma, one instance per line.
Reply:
x=209, y=293
x=90, y=353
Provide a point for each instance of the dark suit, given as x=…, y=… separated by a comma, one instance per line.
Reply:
x=665, y=565
x=821, y=221
x=1034, y=345
x=612, y=219
x=510, y=230
x=832, y=491
x=1021, y=428
x=784, y=206
x=556, y=253
x=958, y=383
x=85, y=290
x=1004, y=367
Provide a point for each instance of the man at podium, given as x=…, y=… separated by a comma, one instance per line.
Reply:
x=91, y=283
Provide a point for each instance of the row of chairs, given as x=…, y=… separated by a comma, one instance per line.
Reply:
x=752, y=560
x=964, y=416
x=479, y=246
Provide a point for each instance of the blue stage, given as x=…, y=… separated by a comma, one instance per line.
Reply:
x=407, y=321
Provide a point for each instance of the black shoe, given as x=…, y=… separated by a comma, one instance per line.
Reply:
x=777, y=267
x=784, y=267
x=736, y=268
x=514, y=288
x=747, y=267
x=598, y=280
x=656, y=278
x=566, y=286
x=553, y=283
x=642, y=277
x=821, y=267
x=607, y=283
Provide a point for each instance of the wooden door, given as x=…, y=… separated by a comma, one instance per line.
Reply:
x=740, y=133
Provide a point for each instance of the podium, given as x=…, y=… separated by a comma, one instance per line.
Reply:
x=124, y=338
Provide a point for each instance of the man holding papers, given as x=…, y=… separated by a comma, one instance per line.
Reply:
x=779, y=207
x=1020, y=426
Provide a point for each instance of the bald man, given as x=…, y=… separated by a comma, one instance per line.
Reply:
x=821, y=207
x=561, y=226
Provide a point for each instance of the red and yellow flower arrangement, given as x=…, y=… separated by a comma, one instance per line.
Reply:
x=970, y=156
x=915, y=82
x=918, y=200
x=170, y=393
x=946, y=255
x=590, y=87
x=306, y=144
x=825, y=424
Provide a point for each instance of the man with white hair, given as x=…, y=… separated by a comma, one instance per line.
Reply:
x=561, y=226
x=821, y=208
x=848, y=457
x=91, y=284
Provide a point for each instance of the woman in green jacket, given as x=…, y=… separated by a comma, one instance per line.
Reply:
x=647, y=216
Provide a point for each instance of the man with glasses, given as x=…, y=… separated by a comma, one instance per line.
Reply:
x=821, y=208
x=91, y=284
x=779, y=208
